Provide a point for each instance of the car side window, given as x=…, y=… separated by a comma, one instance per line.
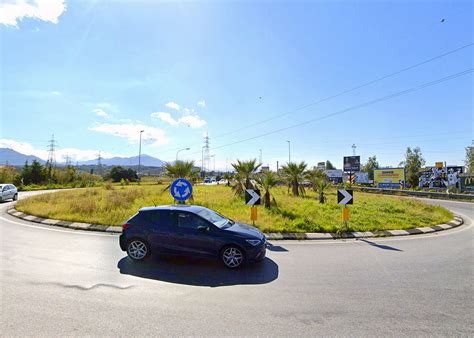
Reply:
x=190, y=221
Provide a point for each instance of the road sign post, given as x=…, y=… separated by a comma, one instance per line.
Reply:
x=345, y=197
x=253, y=214
x=252, y=198
x=181, y=189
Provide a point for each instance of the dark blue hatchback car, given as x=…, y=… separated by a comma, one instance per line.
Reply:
x=192, y=231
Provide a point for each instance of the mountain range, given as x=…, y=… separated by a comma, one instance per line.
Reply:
x=12, y=157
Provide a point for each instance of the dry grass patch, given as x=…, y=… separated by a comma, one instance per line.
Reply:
x=293, y=214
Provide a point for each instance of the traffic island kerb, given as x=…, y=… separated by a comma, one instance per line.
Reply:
x=455, y=222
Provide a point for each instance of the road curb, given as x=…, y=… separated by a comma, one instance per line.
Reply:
x=455, y=222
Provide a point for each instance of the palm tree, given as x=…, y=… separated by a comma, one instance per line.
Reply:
x=228, y=177
x=181, y=169
x=245, y=170
x=319, y=182
x=267, y=181
x=294, y=173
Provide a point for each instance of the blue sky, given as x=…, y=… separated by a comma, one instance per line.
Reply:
x=95, y=73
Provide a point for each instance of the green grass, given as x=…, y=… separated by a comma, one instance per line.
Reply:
x=294, y=214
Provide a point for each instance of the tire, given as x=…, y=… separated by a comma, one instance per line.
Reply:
x=15, y=197
x=138, y=249
x=232, y=257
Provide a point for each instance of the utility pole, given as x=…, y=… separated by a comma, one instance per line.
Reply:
x=51, y=152
x=202, y=161
x=277, y=167
x=260, y=158
x=140, y=155
x=99, y=164
x=206, y=152
x=289, y=151
x=354, y=149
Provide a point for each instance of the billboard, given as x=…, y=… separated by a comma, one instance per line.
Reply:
x=361, y=177
x=389, y=178
x=441, y=178
x=467, y=183
x=321, y=165
x=334, y=175
x=351, y=163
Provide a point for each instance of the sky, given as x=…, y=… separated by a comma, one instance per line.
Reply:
x=253, y=75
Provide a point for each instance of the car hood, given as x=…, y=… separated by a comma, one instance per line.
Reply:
x=245, y=230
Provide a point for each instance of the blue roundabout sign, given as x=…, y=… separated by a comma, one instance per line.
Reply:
x=181, y=189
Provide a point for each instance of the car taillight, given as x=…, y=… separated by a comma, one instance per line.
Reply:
x=125, y=226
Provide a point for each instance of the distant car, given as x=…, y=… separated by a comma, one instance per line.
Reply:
x=207, y=180
x=191, y=230
x=8, y=192
x=213, y=180
x=222, y=181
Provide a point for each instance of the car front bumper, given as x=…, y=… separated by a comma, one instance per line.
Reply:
x=257, y=253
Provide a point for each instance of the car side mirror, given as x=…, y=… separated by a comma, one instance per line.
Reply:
x=203, y=228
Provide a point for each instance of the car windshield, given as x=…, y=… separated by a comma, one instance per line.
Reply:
x=215, y=218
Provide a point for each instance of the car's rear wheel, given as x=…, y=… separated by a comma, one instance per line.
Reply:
x=232, y=257
x=137, y=249
x=15, y=197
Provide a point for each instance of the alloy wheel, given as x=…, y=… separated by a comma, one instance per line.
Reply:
x=137, y=250
x=232, y=257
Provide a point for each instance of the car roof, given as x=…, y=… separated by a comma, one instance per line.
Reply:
x=187, y=207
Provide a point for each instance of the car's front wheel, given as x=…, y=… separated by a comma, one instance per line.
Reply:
x=232, y=257
x=137, y=249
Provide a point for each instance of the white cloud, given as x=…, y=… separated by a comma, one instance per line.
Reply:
x=188, y=111
x=172, y=105
x=101, y=112
x=17, y=10
x=165, y=117
x=152, y=136
x=24, y=148
x=193, y=121
x=107, y=106
x=73, y=153
x=201, y=103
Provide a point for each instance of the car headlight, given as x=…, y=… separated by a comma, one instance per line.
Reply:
x=254, y=242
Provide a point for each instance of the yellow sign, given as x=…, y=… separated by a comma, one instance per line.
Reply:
x=253, y=213
x=439, y=165
x=345, y=214
x=391, y=178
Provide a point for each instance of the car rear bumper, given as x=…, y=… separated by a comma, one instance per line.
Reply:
x=122, y=242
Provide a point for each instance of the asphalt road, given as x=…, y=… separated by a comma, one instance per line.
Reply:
x=57, y=282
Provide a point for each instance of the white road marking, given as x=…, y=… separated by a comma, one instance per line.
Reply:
x=75, y=232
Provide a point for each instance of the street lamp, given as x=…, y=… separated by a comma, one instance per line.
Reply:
x=179, y=151
x=140, y=154
x=260, y=150
x=214, y=161
x=289, y=151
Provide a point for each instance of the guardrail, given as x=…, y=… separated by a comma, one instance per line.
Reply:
x=427, y=194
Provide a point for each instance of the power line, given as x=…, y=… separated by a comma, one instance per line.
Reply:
x=348, y=90
x=362, y=105
x=437, y=57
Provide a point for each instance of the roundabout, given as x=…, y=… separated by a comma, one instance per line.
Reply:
x=58, y=281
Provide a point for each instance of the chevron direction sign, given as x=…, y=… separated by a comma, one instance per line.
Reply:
x=345, y=196
x=252, y=197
